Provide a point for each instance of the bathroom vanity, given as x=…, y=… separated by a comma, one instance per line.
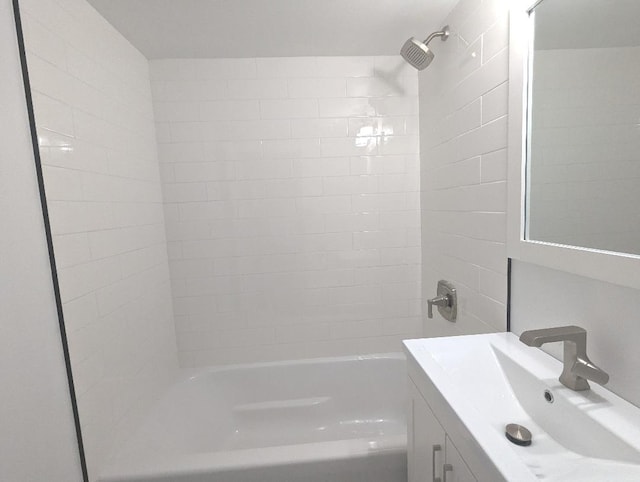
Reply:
x=465, y=390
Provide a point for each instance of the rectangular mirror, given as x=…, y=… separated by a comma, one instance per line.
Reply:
x=583, y=112
x=574, y=137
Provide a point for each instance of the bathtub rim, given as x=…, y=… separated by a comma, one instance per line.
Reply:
x=251, y=458
x=192, y=373
x=258, y=458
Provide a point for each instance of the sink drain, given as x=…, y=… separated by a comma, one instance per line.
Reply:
x=518, y=434
x=548, y=396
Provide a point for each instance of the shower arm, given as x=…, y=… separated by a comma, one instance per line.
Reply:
x=444, y=33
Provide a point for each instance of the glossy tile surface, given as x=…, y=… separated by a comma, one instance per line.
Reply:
x=94, y=118
x=291, y=190
x=463, y=150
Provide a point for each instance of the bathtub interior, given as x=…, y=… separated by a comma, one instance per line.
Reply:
x=360, y=400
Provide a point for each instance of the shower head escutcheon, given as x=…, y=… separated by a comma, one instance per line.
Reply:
x=418, y=53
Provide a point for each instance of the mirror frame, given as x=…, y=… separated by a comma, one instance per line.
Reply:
x=609, y=266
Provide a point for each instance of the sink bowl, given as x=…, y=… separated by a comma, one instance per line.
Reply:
x=492, y=380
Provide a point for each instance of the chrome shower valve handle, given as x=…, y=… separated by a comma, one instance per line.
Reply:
x=446, y=301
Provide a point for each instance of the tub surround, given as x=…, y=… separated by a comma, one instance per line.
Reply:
x=38, y=439
x=463, y=140
x=92, y=102
x=291, y=190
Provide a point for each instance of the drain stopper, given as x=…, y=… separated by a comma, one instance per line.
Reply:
x=518, y=434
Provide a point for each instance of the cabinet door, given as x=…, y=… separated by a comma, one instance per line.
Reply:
x=426, y=440
x=455, y=468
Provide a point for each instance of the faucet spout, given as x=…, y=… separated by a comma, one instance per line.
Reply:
x=547, y=335
x=577, y=366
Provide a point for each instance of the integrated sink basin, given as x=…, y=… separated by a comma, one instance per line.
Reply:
x=489, y=381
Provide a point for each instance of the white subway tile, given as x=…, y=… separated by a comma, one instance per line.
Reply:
x=398, y=183
x=286, y=67
x=235, y=150
x=350, y=185
x=395, y=145
x=468, y=118
x=378, y=164
x=265, y=208
x=187, y=131
x=188, y=90
x=62, y=184
x=290, y=148
x=173, y=69
x=495, y=103
x=257, y=89
x=324, y=204
x=184, y=192
x=339, y=222
x=71, y=249
x=289, y=109
x=234, y=69
x=225, y=110
x=377, y=126
x=293, y=187
x=381, y=87
x=379, y=239
x=320, y=167
x=53, y=115
x=290, y=168
x=345, y=66
x=204, y=171
x=349, y=146
x=248, y=129
x=347, y=107
x=493, y=73
x=391, y=106
x=496, y=38
x=176, y=111
x=163, y=133
x=400, y=219
x=265, y=169
x=319, y=128
x=488, y=138
x=494, y=166
x=317, y=88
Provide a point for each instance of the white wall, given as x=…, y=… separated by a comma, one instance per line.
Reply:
x=291, y=205
x=463, y=139
x=585, y=166
x=542, y=298
x=94, y=117
x=38, y=439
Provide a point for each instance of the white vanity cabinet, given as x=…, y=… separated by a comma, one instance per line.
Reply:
x=432, y=457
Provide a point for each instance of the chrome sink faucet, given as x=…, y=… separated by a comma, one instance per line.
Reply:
x=577, y=366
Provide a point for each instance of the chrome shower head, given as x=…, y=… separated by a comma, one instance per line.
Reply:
x=418, y=53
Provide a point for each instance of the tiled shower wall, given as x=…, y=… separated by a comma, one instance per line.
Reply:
x=36, y=422
x=94, y=120
x=291, y=190
x=463, y=125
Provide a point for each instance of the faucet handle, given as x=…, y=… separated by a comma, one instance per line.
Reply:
x=446, y=301
x=438, y=301
x=586, y=369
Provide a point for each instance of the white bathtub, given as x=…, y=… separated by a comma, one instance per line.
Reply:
x=324, y=420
